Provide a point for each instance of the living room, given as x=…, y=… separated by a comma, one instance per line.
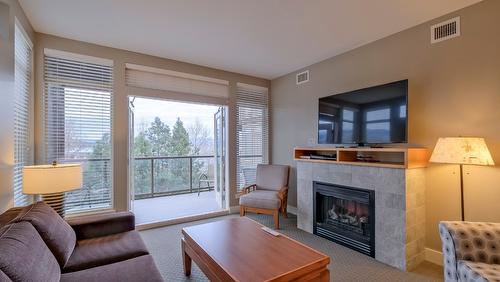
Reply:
x=301, y=116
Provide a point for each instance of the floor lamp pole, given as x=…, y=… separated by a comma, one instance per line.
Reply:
x=462, y=191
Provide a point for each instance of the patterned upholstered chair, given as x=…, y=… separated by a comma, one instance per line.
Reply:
x=471, y=250
x=269, y=194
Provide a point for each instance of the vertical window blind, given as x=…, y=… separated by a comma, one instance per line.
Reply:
x=252, y=123
x=78, y=111
x=22, y=112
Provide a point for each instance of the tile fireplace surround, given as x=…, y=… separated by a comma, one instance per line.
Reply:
x=399, y=206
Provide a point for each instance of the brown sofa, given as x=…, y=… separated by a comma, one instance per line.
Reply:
x=36, y=244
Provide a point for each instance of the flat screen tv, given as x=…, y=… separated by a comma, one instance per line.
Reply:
x=374, y=115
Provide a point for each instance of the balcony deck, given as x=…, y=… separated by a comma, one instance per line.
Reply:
x=170, y=207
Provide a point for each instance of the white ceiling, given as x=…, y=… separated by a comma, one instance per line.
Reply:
x=264, y=38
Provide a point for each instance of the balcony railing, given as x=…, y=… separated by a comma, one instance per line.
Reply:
x=164, y=176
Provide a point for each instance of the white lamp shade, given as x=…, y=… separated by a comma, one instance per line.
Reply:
x=47, y=179
x=461, y=150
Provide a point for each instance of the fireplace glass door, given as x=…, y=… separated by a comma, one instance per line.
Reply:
x=345, y=215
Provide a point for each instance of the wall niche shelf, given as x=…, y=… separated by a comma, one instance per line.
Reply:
x=395, y=157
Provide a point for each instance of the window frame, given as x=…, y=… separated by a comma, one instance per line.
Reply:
x=254, y=102
x=29, y=152
x=83, y=59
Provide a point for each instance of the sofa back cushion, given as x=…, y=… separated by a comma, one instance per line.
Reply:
x=54, y=230
x=272, y=177
x=24, y=255
x=4, y=277
x=8, y=216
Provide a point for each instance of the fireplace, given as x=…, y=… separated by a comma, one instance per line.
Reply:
x=345, y=215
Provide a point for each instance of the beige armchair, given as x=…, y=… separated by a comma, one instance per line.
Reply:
x=269, y=194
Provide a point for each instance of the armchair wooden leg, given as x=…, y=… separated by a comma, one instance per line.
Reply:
x=276, y=216
x=242, y=211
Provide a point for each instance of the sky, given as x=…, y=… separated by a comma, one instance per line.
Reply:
x=145, y=110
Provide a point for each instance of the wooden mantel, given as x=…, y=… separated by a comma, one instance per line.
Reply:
x=388, y=157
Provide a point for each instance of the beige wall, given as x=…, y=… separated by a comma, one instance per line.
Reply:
x=454, y=89
x=120, y=101
x=9, y=11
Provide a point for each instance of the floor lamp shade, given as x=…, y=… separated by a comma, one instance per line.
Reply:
x=461, y=151
x=51, y=181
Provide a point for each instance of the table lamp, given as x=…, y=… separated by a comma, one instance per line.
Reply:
x=461, y=151
x=51, y=181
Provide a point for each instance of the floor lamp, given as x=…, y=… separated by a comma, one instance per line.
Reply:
x=52, y=181
x=461, y=151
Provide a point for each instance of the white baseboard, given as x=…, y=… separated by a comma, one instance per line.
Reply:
x=434, y=256
x=234, y=209
x=179, y=220
x=291, y=209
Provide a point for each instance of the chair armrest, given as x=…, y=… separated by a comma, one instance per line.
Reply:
x=98, y=225
x=246, y=190
x=282, y=193
x=459, y=239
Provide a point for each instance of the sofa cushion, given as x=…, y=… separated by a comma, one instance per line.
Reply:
x=104, y=224
x=8, y=216
x=105, y=250
x=261, y=199
x=478, y=271
x=141, y=269
x=24, y=255
x=4, y=277
x=272, y=177
x=55, y=232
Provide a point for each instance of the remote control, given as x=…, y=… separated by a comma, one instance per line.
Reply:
x=270, y=231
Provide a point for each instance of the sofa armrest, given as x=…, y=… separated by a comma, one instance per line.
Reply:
x=463, y=240
x=98, y=225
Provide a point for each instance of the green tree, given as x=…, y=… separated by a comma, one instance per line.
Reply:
x=142, y=169
x=142, y=146
x=97, y=179
x=102, y=148
x=159, y=136
x=180, y=145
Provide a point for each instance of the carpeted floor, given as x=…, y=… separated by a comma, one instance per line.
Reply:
x=345, y=265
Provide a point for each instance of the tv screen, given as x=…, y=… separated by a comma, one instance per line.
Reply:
x=374, y=115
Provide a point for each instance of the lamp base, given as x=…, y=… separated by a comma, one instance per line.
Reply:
x=55, y=201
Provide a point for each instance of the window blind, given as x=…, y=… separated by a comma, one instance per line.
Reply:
x=78, y=109
x=160, y=79
x=252, y=123
x=22, y=113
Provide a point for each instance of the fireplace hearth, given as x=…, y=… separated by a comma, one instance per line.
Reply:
x=345, y=215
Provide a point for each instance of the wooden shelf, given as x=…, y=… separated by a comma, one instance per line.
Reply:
x=394, y=157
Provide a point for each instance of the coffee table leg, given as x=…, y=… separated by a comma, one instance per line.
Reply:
x=186, y=259
x=325, y=276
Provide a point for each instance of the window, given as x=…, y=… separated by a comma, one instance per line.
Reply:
x=22, y=112
x=78, y=105
x=252, y=123
x=402, y=111
x=378, y=125
x=347, y=126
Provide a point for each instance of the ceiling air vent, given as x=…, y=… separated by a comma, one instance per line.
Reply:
x=302, y=77
x=445, y=30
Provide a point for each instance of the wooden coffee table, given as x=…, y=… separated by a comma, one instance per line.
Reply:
x=237, y=249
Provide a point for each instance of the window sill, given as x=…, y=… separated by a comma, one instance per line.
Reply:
x=89, y=212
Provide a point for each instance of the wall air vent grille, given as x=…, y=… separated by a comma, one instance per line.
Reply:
x=302, y=77
x=445, y=30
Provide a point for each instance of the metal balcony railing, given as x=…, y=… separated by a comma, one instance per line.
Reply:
x=164, y=176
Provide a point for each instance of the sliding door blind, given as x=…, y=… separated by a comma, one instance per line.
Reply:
x=22, y=111
x=78, y=104
x=160, y=79
x=252, y=123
